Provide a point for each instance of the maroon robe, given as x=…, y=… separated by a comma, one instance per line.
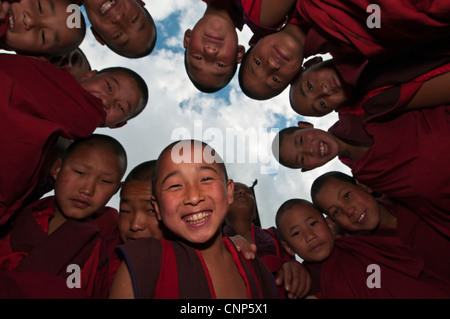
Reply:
x=340, y=28
x=408, y=161
x=163, y=269
x=344, y=274
x=85, y=243
x=424, y=240
x=38, y=102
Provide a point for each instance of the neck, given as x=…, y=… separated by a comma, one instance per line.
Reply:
x=296, y=31
x=348, y=150
x=56, y=221
x=219, y=8
x=213, y=249
x=386, y=218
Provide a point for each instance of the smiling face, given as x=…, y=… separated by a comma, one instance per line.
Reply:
x=124, y=25
x=192, y=198
x=308, y=148
x=212, y=51
x=243, y=205
x=306, y=232
x=271, y=65
x=349, y=205
x=318, y=91
x=137, y=216
x=119, y=93
x=86, y=180
x=39, y=27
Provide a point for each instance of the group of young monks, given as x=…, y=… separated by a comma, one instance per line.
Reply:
x=184, y=229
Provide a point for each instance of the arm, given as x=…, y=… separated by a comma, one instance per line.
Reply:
x=296, y=279
x=122, y=286
x=273, y=13
x=244, y=247
x=434, y=92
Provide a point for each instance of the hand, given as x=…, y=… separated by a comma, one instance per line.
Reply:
x=296, y=279
x=244, y=247
x=4, y=9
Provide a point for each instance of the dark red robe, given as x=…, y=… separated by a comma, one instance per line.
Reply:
x=85, y=243
x=163, y=269
x=408, y=160
x=344, y=274
x=38, y=102
x=340, y=28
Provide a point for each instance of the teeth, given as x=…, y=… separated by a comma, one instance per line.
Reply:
x=196, y=218
x=106, y=6
x=11, y=21
x=361, y=217
x=323, y=149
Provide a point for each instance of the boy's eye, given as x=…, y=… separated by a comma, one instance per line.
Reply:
x=347, y=195
x=335, y=212
x=43, y=36
x=322, y=104
x=106, y=181
x=118, y=35
x=78, y=172
x=275, y=79
x=121, y=108
x=134, y=20
x=308, y=85
x=256, y=61
x=39, y=7
x=205, y=179
x=295, y=234
x=109, y=86
x=197, y=57
x=220, y=65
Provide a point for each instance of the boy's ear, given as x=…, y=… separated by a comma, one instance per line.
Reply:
x=118, y=124
x=304, y=124
x=187, y=38
x=88, y=75
x=287, y=248
x=364, y=187
x=230, y=191
x=55, y=168
x=305, y=169
x=331, y=225
x=97, y=36
x=312, y=61
x=240, y=53
x=155, y=205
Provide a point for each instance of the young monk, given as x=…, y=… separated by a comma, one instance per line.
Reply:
x=191, y=195
x=137, y=216
x=39, y=28
x=212, y=49
x=73, y=110
x=125, y=26
x=273, y=62
x=292, y=279
x=385, y=157
x=352, y=206
x=69, y=228
x=406, y=86
x=340, y=266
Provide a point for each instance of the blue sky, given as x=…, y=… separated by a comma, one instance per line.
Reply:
x=175, y=104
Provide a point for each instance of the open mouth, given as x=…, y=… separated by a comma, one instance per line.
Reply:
x=12, y=24
x=197, y=218
x=323, y=148
x=106, y=6
x=361, y=217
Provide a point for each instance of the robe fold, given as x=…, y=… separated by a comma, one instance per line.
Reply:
x=29, y=247
x=38, y=102
x=341, y=28
x=163, y=269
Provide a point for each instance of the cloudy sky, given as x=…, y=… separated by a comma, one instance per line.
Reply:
x=177, y=109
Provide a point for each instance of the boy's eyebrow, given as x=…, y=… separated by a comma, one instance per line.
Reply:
x=208, y=168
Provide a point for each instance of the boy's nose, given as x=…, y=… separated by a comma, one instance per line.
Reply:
x=88, y=188
x=274, y=63
x=28, y=21
x=210, y=49
x=193, y=195
x=326, y=89
x=117, y=16
x=137, y=222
